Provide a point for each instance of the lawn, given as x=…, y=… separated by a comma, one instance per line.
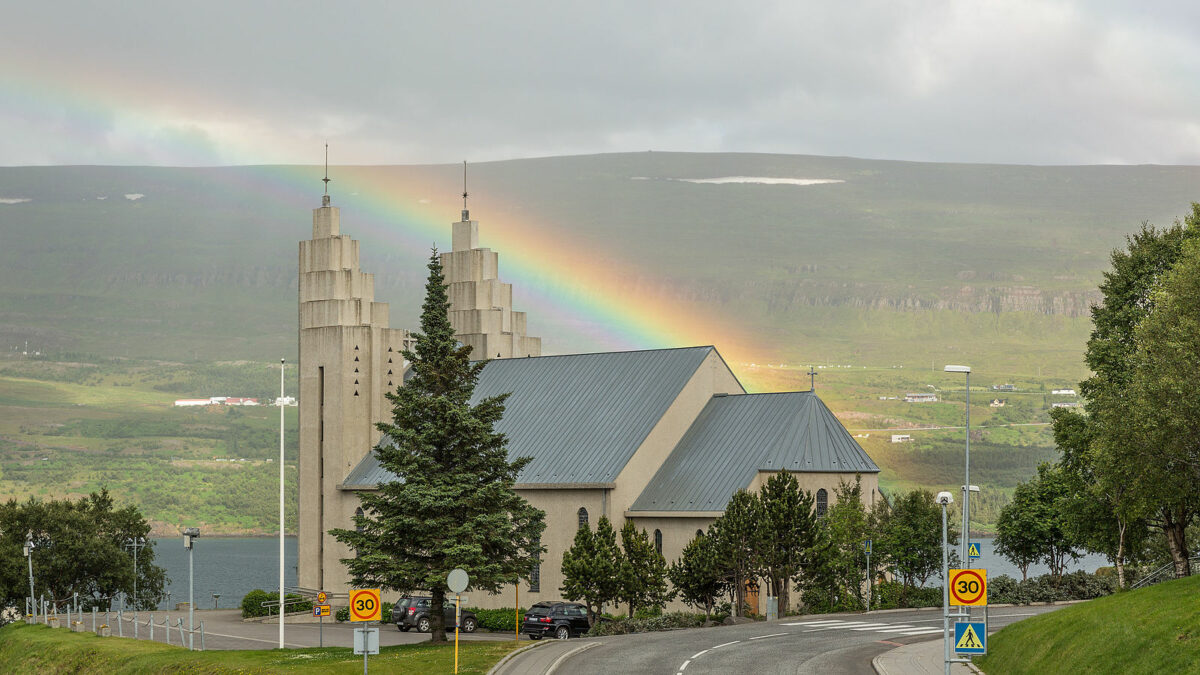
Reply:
x=1152, y=630
x=38, y=649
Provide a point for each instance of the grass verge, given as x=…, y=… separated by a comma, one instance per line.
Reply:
x=1152, y=630
x=38, y=649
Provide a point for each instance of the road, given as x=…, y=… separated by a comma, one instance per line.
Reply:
x=826, y=644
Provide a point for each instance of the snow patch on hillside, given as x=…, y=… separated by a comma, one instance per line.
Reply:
x=14, y=200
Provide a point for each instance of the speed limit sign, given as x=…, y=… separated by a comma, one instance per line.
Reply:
x=364, y=604
x=968, y=588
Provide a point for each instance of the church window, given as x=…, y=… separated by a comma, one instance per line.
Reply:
x=699, y=533
x=822, y=502
x=356, y=359
x=356, y=392
x=658, y=541
x=583, y=517
x=535, y=572
x=356, y=382
x=358, y=513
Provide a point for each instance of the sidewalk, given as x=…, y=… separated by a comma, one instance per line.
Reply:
x=918, y=658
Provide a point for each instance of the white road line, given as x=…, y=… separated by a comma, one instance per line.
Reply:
x=888, y=627
x=726, y=644
x=921, y=631
x=761, y=637
x=242, y=637
x=699, y=654
x=811, y=623
x=861, y=624
x=685, y=665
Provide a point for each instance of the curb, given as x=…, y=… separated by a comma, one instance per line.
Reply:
x=558, y=662
x=509, y=656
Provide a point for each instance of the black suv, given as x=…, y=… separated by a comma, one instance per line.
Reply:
x=560, y=619
x=414, y=613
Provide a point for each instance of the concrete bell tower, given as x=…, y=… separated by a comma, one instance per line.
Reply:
x=349, y=358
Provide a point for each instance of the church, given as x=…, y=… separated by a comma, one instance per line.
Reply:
x=661, y=437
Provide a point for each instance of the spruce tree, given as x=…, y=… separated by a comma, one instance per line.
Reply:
x=788, y=532
x=591, y=568
x=738, y=538
x=452, y=503
x=699, y=574
x=643, y=571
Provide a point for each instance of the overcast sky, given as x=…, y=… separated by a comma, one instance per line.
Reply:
x=204, y=83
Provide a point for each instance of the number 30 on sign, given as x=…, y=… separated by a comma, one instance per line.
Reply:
x=364, y=604
x=968, y=588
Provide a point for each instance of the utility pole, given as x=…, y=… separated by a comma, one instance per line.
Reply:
x=29, y=557
x=135, y=543
x=281, y=595
x=189, y=537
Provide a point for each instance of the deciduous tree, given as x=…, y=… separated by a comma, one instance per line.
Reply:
x=908, y=538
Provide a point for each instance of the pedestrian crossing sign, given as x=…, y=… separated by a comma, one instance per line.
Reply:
x=973, y=550
x=970, y=637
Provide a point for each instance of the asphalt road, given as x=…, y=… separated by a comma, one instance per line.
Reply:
x=825, y=644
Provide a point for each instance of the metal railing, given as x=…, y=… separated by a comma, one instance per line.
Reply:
x=74, y=617
x=1163, y=573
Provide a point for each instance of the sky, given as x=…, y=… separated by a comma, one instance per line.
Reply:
x=230, y=83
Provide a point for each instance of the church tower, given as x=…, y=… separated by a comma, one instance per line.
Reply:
x=349, y=358
x=480, y=304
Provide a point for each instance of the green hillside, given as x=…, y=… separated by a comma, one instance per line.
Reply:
x=128, y=303
x=1152, y=630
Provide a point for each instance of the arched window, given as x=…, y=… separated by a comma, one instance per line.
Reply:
x=583, y=517
x=822, y=502
x=358, y=513
x=699, y=533
x=658, y=541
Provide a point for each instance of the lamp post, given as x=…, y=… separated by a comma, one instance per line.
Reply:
x=945, y=499
x=135, y=543
x=966, y=507
x=216, y=597
x=189, y=536
x=29, y=557
x=281, y=595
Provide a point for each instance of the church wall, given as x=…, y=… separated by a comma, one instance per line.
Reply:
x=829, y=481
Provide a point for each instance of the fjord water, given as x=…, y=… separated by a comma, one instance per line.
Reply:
x=230, y=566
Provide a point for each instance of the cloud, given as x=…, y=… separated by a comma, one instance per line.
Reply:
x=988, y=81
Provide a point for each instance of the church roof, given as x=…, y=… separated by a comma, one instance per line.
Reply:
x=737, y=436
x=579, y=416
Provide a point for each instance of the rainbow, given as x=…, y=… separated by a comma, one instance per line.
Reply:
x=609, y=304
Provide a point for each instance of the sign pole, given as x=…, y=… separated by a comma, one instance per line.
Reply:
x=457, y=620
x=281, y=587
x=517, y=611
x=945, y=591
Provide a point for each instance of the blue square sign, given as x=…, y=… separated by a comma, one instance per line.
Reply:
x=970, y=637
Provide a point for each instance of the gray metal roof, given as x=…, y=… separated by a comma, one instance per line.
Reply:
x=737, y=436
x=579, y=416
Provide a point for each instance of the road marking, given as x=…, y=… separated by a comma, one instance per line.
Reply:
x=241, y=637
x=761, y=637
x=727, y=644
x=921, y=631
x=685, y=665
x=809, y=623
x=889, y=627
x=699, y=654
x=857, y=624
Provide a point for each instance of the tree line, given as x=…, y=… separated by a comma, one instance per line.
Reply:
x=774, y=536
x=1127, y=483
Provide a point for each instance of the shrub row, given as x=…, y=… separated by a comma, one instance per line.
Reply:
x=1074, y=586
x=501, y=620
x=648, y=625
x=385, y=613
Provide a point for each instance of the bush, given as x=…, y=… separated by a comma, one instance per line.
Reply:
x=500, y=620
x=252, y=603
x=1074, y=586
x=888, y=596
x=648, y=625
x=342, y=614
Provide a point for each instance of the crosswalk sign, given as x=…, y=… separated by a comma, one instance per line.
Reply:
x=970, y=637
x=973, y=550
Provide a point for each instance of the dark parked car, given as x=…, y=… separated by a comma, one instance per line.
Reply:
x=414, y=613
x=559, y=619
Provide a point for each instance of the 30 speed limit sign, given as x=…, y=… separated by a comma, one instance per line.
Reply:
x=968, y=588
x=364, y=604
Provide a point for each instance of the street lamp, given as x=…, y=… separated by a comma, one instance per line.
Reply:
x=135, y=543
x=945, y=499
x=189, y=536
x=216, y=597
x=29, y=556
x=966, y=506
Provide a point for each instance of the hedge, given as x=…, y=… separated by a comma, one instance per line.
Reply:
x=252, y=603
x=668, y=621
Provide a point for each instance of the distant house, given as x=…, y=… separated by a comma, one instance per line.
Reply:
x=1063, y=392
x=1003, y=387
x=1066, y=405
x=920, y=398
x=999, y=402
x=286, y=400
x=901, y=438
x=184, y=402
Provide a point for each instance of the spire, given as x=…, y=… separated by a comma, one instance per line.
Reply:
x=466, y=215
x=325, y=198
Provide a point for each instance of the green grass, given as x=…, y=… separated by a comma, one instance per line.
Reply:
x=38, y=649
x=1152, y=630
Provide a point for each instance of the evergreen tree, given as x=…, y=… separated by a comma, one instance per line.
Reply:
x=591, y=568
x=738, y=540
x=452, y=503
x=788, y=533
x=643, y=571
x=699, y=574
